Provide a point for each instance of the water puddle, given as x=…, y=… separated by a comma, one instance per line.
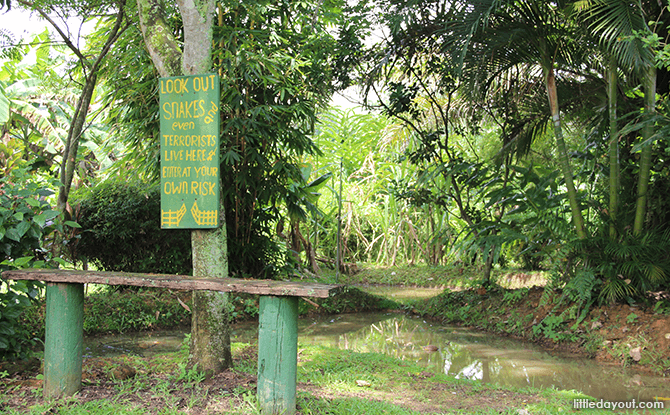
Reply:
x=458, y=352
x=141, y=344
x=469, y=354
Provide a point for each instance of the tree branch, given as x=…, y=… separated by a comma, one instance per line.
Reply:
x=62, y=34
x=159, y=39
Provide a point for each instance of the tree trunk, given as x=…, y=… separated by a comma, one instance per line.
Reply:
x=72, y=143
x=645, y=156
x=488, y=267
x=89, y=65
x=564, y=161
x=210, y=325
x=210, y=328
x=612, y=80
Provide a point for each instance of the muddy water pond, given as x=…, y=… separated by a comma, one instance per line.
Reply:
x=458, y=352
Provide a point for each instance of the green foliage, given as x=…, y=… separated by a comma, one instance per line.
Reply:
x=120, y=312
x=244, y=306
x=627, y=268
x=662, y=307
x=528, y=219
x=26, y=223
x=274, y=77
x=362, y=151
x=16, y=339
x=550, y=327
x=274, y=68
x=133, y=115
x=512, y=297
x=454, y=306
x=190, y=376
x=29, y=114
x=351, y=300
x=121, y=230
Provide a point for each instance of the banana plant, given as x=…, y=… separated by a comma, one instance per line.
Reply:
x=301, y=203
x=28, y=111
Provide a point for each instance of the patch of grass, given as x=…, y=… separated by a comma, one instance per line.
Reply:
x=99, y=407
x=244, y=356
x=310, y=405
x=408, y=275
x=622, y=351
x=512, y=297
x=327, y=385
x=455, y=276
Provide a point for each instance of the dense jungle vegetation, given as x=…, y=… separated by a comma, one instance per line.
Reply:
x=495, y=134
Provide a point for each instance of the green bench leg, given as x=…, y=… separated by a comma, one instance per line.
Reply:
x=277, y=354
x=63, y=345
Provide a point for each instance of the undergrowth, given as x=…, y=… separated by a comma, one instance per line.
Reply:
x=114, y=311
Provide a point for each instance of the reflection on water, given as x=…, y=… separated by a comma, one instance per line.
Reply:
x=142, y=344
x=468, y=354
x=458, y=352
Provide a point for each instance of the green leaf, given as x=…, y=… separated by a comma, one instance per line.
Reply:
x=33, y=202
x=61, y=262
x=23, y=261
x=22, y=228
x=43, y=217
x=13, y=234
x=72, y=224
x=4, y=108
x=18, y=216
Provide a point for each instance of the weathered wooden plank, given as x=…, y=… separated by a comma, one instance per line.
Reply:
x=277, y=354
x=64, y=339
x=178, y=282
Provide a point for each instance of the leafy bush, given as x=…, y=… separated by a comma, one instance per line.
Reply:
x=146, y=309
x=606, y=270
x=121, y=230
x=353, y=300
x=631, y=266
x=26, y=221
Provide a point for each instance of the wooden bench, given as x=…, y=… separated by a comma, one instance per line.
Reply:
x=277, y=334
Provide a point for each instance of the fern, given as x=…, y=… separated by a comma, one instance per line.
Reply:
x=629, y=267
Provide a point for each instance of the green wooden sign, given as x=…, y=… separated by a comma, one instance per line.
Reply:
x=189, y=122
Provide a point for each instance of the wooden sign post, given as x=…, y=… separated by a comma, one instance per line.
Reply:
x=189, y=124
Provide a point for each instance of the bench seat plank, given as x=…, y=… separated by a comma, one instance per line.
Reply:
x=178, y=282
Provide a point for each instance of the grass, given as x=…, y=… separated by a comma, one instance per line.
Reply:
x=327, y=385
x=452, y=276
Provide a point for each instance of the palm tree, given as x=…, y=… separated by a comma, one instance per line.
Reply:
x=612, y=21
x=501, y=35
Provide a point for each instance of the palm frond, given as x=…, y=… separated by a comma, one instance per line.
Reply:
x=615, y=23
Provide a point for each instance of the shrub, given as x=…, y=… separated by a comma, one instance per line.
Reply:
x=121, y=230
x=26, y=221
